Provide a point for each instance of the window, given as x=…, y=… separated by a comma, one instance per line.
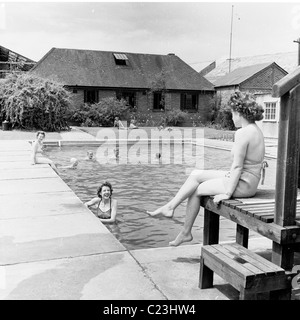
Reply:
x=91, y=96
x=121, y=59
x=270, y=111
x=158, y=101
x=128, y=96
x=189, y=101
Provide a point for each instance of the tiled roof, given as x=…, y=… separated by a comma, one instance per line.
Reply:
x=239, y=75
x=98, y=69
x=7, y=55
x=287, y=61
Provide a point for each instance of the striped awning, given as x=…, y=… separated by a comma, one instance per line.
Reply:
x=120, y=56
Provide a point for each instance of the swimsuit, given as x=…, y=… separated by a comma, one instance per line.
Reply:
x=249, y=179
x=104, y=214
x=39, y=150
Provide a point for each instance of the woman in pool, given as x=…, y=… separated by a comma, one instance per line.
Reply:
x=106, y=206
x=37, y=152
x=241, y=181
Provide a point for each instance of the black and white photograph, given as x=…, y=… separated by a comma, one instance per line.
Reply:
x=149, y=153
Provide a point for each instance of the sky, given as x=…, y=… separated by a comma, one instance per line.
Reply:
x=197, y=32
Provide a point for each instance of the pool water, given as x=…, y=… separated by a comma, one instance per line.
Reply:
x=139, y=187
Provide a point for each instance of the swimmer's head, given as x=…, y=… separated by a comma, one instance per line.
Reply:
x=90, y=154
x=74, y=162
x=158, y=155
x=105, y=189
x=40, y=135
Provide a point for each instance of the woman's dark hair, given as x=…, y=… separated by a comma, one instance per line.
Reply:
x=40, y=132
x=246, y=106
x=104, y=184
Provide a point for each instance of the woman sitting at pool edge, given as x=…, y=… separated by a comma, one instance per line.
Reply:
x=241, y=181
x=37, y=152
x=106, y=206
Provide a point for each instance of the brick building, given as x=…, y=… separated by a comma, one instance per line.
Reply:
x=92, y=75
x=257, y=79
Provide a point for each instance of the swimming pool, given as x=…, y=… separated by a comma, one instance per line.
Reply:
x=139, y=187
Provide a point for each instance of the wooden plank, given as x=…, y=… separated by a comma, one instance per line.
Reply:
x=227, y=269
x=283, y=256
x=214, y=251
x=249, y=207
x=211, y=227
x=251, y=258
x=268, y=218
x=206, y=276
x=287, y=83
x=244, y=261
x=217, y=267
x=257, y=205
x=260, y=260
x=287, y=158
x=271, y=231
x=242, y=235
x=267, y=211
x=246, y=212
x=259, y=216
x=231, y=202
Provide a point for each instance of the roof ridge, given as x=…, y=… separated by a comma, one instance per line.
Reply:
x=125, y=52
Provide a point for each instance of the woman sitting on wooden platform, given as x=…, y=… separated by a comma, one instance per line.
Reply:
x=241, y=181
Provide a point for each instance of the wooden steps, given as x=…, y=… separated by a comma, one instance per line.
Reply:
x=246, y=271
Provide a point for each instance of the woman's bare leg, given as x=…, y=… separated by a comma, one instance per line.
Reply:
x=210, y=187
x=42, y=160
x=192, y=209
x=191, y=184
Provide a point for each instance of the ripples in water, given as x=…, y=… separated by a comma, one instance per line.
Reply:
x=137, y=187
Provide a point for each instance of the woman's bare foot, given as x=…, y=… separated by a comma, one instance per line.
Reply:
x=180, y=239
x=164, y=210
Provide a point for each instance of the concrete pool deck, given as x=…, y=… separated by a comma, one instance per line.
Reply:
x=53, y=247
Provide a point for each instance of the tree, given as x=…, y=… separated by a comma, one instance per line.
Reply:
x=31, y=102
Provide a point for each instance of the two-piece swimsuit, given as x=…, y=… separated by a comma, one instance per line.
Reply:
x=104, y=214
x=249, y=179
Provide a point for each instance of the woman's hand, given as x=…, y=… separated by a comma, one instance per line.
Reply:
x=220, y=197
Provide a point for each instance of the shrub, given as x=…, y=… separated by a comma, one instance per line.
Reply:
x=224, y=118
x=31, y=102
x=102, y=113
x=221, y=114
x=173, y=117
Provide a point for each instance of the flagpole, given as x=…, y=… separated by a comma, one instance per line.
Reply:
x=230, y=39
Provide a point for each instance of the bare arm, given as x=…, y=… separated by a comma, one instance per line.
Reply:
x=113, y=213
x=92, y=202
x=240, y=149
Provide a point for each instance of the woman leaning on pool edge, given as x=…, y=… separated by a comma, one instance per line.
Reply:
x=241, y=181
x=106, y=206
